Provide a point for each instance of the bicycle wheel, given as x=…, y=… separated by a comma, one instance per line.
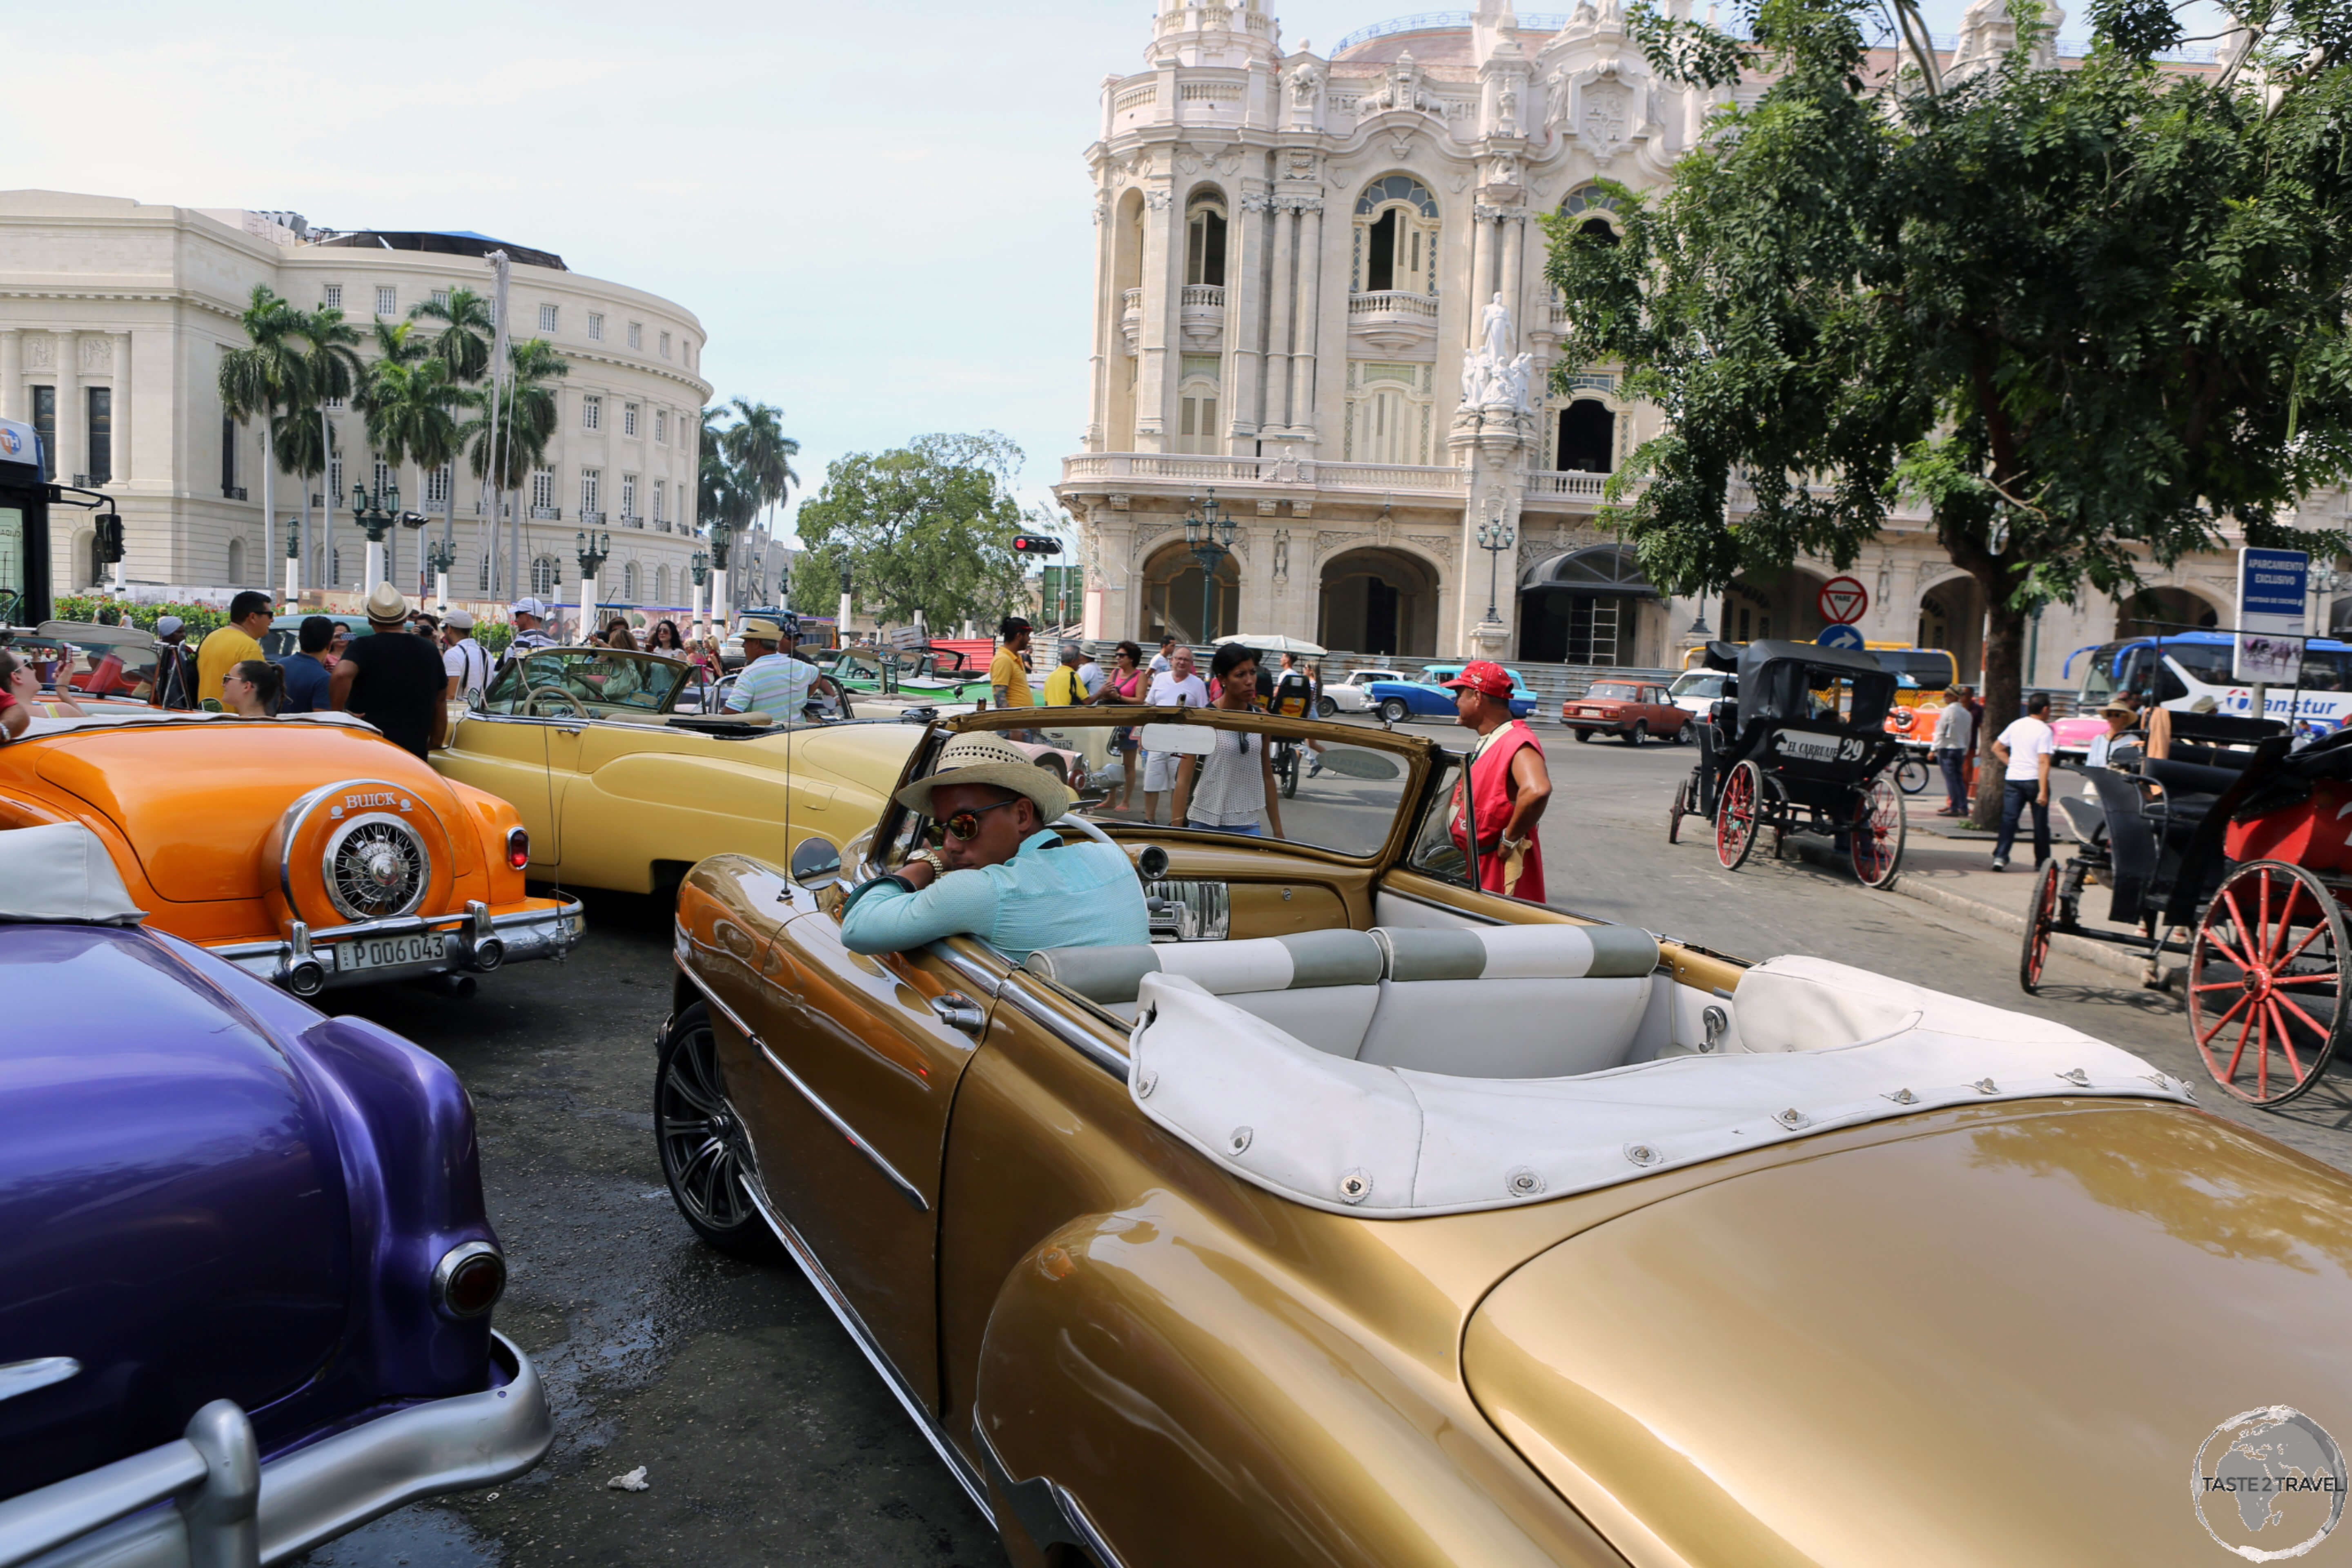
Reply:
x=2285, y=993
x=2041, y=919
x=1875, y=842
x=1293, y=764
x=1677, y=811
x=1911, y=774
x=1736, y=815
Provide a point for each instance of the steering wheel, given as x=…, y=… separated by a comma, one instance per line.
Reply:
x=538, y=694
x=1081, y=825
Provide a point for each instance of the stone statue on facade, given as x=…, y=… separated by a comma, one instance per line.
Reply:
x=1492, y=376
x=1494, y=329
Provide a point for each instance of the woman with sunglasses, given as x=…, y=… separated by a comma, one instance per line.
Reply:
x=1233, y=789
x=1123, y=685
x=252, y=688
x=666, y=640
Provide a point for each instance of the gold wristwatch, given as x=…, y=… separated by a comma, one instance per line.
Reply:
x=932, y=857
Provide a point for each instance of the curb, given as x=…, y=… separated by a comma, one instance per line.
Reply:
x=2099, y=953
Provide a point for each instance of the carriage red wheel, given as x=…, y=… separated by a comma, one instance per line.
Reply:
x=1875, y=842
x=2266, y=991
x=2041, y=919
x=1736, y=816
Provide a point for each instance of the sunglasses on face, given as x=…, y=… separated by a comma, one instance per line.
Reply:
x=963, y=827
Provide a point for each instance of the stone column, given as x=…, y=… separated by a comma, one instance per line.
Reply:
x=73, y=437
x=1162, y=262
x=123, y=473
x=1481, y=252
x=1107, y=321
x=1304, y=316
x=1512, y=229
x=1245, y=323
x=1276, y=414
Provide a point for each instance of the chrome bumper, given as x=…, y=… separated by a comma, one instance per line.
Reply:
x=305, y=962
x=204, y=1499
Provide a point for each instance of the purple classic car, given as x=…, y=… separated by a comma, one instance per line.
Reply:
x=244, y=1276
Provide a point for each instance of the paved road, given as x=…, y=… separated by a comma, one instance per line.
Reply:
x=765, y=1436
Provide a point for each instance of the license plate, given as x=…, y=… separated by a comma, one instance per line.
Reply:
x=391, y=952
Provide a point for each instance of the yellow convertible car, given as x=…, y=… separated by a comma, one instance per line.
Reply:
x=1365, y=1217
x=618, y=790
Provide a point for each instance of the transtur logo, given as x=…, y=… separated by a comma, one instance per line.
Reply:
x=370, y=801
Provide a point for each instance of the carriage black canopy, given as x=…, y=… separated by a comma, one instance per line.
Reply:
x=1777, y=680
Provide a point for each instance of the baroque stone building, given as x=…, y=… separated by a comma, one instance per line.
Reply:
x=1319, y=293
x=113, y=316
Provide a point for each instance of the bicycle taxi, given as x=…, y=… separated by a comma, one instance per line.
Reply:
x=1798, y=744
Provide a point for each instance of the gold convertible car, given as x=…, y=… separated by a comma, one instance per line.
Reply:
x=1364, y=1217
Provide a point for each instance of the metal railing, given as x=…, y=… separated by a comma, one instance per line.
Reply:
x=1392, y=302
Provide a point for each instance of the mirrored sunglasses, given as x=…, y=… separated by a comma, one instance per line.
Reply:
x=962, y=826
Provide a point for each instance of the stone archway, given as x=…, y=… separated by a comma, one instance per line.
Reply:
x=1171, y=598
x=1786, y=605
x=2152, y=612
x=1951, y=617
x=1378, y=601
x=1586, y=606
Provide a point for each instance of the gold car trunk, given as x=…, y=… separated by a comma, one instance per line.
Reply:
x=2000, y=1340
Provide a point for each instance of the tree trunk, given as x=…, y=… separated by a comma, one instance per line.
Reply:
x=2004, y=672
x=268, y=505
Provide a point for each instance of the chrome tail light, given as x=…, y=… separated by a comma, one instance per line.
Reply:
x=518, y=848
x=469, y=1280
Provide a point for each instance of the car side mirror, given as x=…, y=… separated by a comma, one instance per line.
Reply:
x=815, y=863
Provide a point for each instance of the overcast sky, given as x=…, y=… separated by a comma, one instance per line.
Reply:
x=879, y=212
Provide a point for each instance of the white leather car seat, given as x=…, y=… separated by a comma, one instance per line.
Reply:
x=1319, y=987
x=1532, y=1001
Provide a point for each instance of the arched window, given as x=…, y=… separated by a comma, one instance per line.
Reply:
x=1601, y=207
x=1396, y=238
x=629, y=582
x=544, y=575
x=1204, y=242
x=235, y=563
x=1587, y=437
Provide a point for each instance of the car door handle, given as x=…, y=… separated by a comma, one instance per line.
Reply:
x=958, y=1011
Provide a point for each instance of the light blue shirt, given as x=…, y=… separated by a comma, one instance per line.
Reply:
x=1050, y=894
x=775, y=684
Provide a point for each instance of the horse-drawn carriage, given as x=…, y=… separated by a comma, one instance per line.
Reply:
x=1796, y=744
x=2231, y=851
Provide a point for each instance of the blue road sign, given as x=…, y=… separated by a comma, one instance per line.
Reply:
x=2273, y=585
x=1838, y=637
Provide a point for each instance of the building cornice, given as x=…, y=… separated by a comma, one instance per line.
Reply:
x=143, y=296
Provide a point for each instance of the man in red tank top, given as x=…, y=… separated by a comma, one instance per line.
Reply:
x=1509, y=784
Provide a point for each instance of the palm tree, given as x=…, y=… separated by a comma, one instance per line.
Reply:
x=332, y=371
x=522, y=423
x=467, y=328
x=407, y=403
x=259, y=381
x=762, y=452
x=300, y=442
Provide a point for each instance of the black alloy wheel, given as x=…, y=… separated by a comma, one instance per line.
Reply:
x=705, y=1151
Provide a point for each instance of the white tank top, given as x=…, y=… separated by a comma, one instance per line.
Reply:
x=1230, y=791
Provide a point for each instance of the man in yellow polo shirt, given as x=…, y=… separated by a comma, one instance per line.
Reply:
x=229, y=645
x=1008, y=673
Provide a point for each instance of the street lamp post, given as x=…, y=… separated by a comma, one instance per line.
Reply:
x=376, y=513
x=721, y=612
x=293, y=562
x=699, y=564
x=593, y=549
x=848, y=606
x=1210, y=538
x=1494, y=538
x=440, y=555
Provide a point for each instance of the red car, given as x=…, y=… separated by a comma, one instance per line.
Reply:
x=1632, y=711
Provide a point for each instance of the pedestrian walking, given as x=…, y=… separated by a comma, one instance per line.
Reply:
x=1008, y=672
x=1123, y=686
x=1507, y=781
x=2025, y=749
x=1956, y=727
x=1231, y=789
x=1064, y=688
x=395, y=683
x=175, y=666
x=1165, y=657
x=465, y=662
x=307, y=681
x=1175, y=687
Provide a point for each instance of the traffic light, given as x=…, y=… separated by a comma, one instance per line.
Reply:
x=1035, y=545
x=109, y=537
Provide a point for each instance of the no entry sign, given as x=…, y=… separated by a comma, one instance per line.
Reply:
x=1843, y=600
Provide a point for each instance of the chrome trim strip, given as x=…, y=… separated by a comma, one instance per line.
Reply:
x=24, y=1376
x=988, y=981
x=1078, y=1527
x=846, y=1313
x=1382, y=887
x=1033, y=1008
x=906, y=1189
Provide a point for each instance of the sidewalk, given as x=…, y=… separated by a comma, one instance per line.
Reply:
x=1950, y=866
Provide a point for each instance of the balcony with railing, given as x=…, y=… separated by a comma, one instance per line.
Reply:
x=1393, y=321
x=630, y=519
x=1131, y=316
x=1201, y=315
x=1146, y=469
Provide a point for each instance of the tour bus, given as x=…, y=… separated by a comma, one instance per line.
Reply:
x=2180, y=667
x=24, y=528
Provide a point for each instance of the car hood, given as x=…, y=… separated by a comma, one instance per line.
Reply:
x=197, y=802
x=2002, y=1338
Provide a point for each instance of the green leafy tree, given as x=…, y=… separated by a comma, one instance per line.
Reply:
x=261, y=381
x=925, y=526
x=2086, y=315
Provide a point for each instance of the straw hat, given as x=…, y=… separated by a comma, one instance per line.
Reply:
x=385, y=604
x=986, y=759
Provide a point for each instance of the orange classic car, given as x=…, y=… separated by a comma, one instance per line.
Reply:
x=307, y=850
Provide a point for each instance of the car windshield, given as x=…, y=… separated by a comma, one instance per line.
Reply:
x=1616, y=689
x=89, y=660
x=1697, y=683
x=601, y=683
x=1350, y=805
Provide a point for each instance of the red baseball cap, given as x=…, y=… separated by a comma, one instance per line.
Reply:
x=1483, y=676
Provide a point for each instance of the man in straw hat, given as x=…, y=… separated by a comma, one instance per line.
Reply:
x=773, y=682
x=995, y=870
x=393, y=680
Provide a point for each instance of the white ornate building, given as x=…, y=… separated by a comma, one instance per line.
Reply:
x=114, y=317
x=1320, y=292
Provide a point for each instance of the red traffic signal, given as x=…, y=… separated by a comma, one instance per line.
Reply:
x=1035, y=545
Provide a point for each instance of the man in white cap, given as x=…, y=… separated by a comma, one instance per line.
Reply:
x=995, y=870
x=392, y=680
x=530, y=629
x=465, y=661
x=176, y=667
x=773, y=682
